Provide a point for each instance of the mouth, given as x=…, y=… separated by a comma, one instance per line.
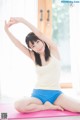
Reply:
x=40, y=49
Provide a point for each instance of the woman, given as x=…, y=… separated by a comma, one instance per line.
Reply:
x=46, y=94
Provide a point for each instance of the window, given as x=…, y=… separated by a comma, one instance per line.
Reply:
x=58, y=28
x=61, y=35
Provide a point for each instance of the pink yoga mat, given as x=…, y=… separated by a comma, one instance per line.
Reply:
x=13, y=114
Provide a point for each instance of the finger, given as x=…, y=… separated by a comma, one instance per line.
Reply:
x=60, y=108
x=11, y=20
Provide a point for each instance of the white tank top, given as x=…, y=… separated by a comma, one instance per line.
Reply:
x=49, y=75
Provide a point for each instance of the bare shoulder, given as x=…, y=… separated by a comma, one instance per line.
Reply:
x=55, y=52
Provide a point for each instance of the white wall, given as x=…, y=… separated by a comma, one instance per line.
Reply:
x=75, y=45
x=17, y=71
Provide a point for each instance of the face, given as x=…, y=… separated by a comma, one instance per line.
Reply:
x=38, y=46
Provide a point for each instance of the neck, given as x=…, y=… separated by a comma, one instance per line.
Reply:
x=42, y=54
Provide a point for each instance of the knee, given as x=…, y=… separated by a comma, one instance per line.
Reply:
x=17, y=106
x=20, y=106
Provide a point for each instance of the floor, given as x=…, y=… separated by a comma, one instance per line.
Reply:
x=69, y=92
x=55, y=118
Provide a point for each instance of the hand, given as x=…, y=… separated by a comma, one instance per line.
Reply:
x=15, y=20
x=11, y=22
x=8, y=24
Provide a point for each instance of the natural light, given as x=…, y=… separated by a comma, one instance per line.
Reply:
x=18, y=75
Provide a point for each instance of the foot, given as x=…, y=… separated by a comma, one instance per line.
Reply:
x=52, y=106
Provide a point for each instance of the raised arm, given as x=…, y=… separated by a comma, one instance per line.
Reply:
x=15, y=41
x=33, y=29
x=39, y=34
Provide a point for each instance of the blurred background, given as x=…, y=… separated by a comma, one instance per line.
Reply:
x=59, y=21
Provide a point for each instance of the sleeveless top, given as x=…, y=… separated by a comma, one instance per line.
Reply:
x=48, y=75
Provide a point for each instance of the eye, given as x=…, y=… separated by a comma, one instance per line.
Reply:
x=33, y=46
x=37, y=41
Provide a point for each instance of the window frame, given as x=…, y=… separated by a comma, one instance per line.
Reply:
x=46, y=26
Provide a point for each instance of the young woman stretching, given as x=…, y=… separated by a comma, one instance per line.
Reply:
x=46, y=94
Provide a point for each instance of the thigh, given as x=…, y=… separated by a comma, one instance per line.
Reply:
x=34, y=100
x=68, y=103
x=22, y=104
x=27, y=101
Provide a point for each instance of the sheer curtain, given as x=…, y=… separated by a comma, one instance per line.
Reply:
x=17, y=71
x=75, y=45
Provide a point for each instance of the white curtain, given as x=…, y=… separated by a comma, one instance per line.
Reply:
x=75, y=45
x=17, y=71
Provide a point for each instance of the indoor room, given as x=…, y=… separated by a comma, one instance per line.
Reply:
x=50, y=20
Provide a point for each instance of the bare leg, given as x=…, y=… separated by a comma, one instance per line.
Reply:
x=52, y=106
x=34, y=104
x=68, y=103
x=24, y=105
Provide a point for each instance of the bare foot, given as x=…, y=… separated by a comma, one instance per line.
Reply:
x=52, y=106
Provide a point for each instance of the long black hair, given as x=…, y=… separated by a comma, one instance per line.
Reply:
x=31, y=37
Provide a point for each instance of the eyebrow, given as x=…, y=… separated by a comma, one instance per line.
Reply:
x=31, y=44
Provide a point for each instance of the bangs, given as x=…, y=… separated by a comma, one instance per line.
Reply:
x=33, y=41
x=31, y=37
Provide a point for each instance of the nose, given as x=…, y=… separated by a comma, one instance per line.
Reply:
x=37, y=45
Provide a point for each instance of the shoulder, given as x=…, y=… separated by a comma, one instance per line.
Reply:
x=55, y=52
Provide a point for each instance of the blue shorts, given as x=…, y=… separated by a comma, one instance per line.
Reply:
x=46, y=95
